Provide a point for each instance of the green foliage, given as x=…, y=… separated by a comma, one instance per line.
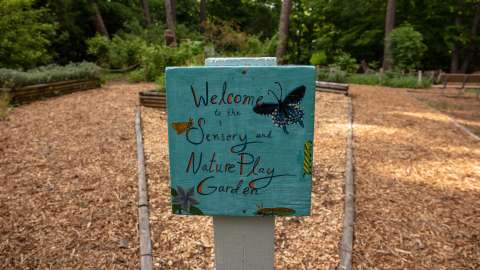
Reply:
x=390, y=79
x=346, y=62
x=407, y=47
x=156, y=57
x=318, y=58
x=332, y=74
x=368, y=79
x=160, y=81
x=119, y=52
x=46, y=74
x=25, y=35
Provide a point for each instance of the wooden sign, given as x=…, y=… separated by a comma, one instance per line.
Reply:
x=240, y=140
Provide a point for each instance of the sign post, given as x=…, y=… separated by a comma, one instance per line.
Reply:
x=240, y=141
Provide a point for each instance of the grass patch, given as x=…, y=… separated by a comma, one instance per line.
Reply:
x=390, y=79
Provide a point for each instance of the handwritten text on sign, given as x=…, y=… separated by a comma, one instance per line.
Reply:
x=240, y=140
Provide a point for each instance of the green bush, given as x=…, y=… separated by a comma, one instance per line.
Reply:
x=407, y=47
x=332, y=74
x=25, y=35
x=52, y=73
x=121, y=51
x=345, y=62
x=318, y=58
x=156, y=57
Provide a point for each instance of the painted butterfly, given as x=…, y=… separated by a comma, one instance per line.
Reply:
x=284, y=112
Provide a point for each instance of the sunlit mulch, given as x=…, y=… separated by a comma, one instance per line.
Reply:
x=68, y=183
x=301, y=243
x=465, y=108
x=417, y=185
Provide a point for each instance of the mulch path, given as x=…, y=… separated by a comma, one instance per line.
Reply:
x=464, y=108
x=417, y=185
x=68, y=182
x=68, y=187
x=181, y=242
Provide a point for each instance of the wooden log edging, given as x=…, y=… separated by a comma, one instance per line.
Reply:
x=30, y=93
x=346, y=244
x=153, y=99
x=338, y=88
x=146, y=259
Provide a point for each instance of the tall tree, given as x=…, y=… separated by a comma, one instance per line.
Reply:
x=98, y=19
x=170, y=38
x=389, y=25
x=146, y=13
x=470, y=51
x=283, y=30
x=203, y=15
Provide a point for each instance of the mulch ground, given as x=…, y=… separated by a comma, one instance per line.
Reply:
x=465, y=108
x=68, y=187
x=417, y=185
x=181, y=242
x=68, y=183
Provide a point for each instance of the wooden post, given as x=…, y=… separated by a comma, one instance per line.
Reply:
x=419, y=78
x=243, y=242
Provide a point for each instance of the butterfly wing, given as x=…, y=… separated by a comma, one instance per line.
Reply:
x=295, y=96
x=265, y=108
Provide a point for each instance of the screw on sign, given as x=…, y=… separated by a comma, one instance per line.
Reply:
x=240, y=142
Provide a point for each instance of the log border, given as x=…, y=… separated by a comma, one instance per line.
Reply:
x=153, y=99
x=346, y=244
x=29, y=93
x=146, y=258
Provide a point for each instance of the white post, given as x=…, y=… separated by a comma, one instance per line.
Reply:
x=243, y=243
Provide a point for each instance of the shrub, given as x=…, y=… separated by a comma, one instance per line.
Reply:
x=160, y=81
x=407, y=47
x=156, y=57
x=119, y=52
x=46, y=74
x=25, y=35
x=318, y=58
x=345, y=62
x=332, y=74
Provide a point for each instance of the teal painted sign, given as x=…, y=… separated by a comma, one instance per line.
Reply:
x=240, y=139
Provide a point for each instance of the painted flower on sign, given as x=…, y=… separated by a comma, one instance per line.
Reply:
x=184, y=199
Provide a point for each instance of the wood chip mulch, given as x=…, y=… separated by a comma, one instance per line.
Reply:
x=417, y=185
x=465, y=108
x=68, y=183
x=181, y=242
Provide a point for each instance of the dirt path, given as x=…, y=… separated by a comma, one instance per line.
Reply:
x=68, y=182
x=417, y=186
x=301, y=243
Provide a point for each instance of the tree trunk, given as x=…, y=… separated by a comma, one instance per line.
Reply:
x=473, y=40
x=170, y=38
x=389, y=25
x=146, y=13
x=455, y=61
x=99, y=24
x=283, y=30
x=203, y=15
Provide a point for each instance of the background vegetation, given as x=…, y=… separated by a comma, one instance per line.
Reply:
x=343, y=36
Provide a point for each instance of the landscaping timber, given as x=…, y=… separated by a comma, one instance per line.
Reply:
x=153, y=98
